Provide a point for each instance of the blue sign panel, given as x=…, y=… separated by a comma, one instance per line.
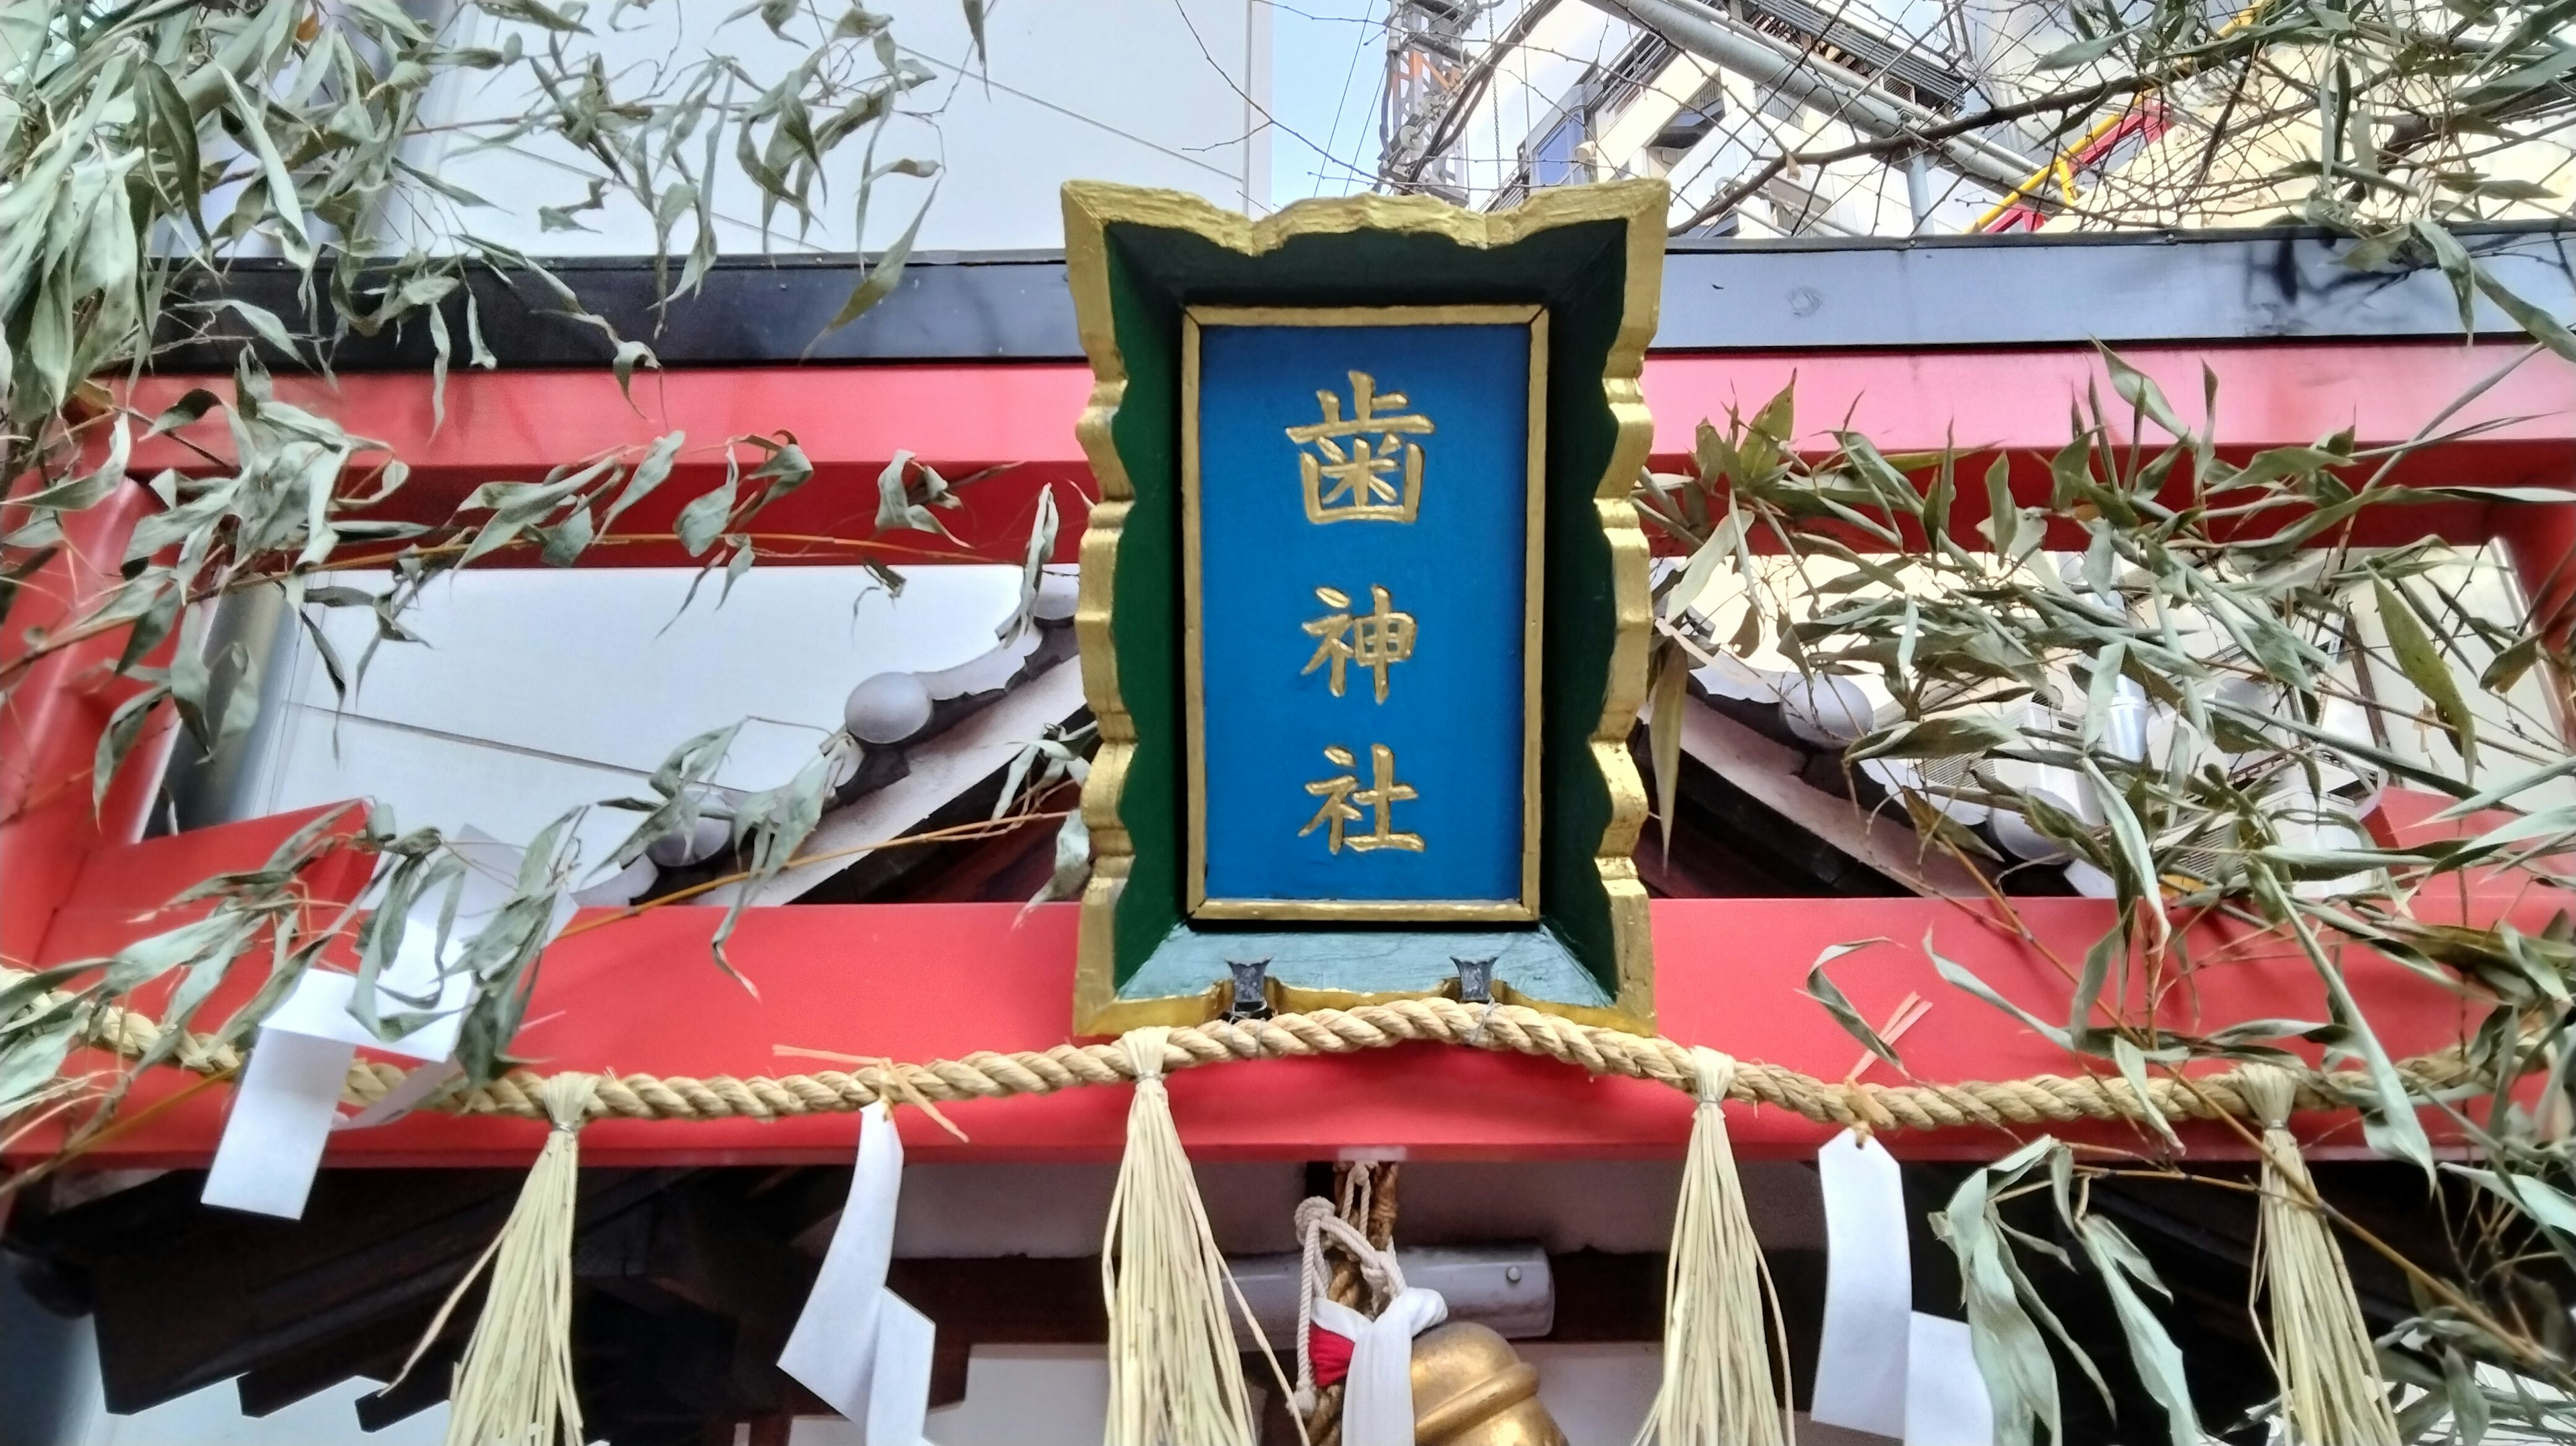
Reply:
x=1362, y=554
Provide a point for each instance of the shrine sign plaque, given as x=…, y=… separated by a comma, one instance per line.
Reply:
x=1362, y=573
x=1364, y=609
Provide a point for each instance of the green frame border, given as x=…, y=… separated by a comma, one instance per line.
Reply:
x=1135, y=260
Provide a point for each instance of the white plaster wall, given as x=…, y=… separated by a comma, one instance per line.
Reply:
x=540, y=690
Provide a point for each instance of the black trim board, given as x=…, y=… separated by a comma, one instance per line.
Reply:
x=1721, y=295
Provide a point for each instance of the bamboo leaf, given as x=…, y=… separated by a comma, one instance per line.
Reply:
x=2152, y=1352
x=2425, y=667
x=2141, y=392
x=2011, y=1354
x=32, y=1054
x=1665, y=696
x=2001, y=513
x=1960, y=978
x=879, y=283
x=2132, y=1063
x=650, y=473
x=1950, y=736
x=631, y=354
x=1822, y=990
x=2548, y=330
x=2530, y=1195
x=2390, y=1124
x=265, y=324
x=117, y=739
x=704, y=519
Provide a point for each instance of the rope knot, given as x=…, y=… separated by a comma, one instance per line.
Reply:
x=567, y=1099
x=1712, y=1074
x=2269, y=1091
x=1868, y=1115
x=1144, y=1048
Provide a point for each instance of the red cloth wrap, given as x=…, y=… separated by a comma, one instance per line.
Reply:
x=1331, y=1355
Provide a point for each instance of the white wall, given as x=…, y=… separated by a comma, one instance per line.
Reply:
x=540, y=690
x=1150, y=92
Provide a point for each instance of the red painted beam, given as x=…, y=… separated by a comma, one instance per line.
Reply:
x=2520, y=433
x=122, y=893
x=852, y=420
x=929, y=980
x=925, y=981
x=2269, y=394
x=51, y=714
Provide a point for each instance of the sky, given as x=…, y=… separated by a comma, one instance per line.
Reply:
x=1327, y=66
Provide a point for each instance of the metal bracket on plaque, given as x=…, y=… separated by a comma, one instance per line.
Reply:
x=1475, y=980
x=1251, y=998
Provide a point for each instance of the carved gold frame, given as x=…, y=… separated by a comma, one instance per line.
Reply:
x=1090, y=208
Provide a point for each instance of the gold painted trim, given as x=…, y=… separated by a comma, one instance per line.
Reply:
x=1368, y=911
x=1193, y=631
x=1175, y=1010
x=1513, y=315
x=1090, y=208
x=1521, y=910
x=1534, y=614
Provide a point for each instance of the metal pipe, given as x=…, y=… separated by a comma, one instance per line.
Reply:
x=1410, y=152
x=1730, y=43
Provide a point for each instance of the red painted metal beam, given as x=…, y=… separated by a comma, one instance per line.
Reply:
x=930, y=981
x=852, y=420
x=925, y=981
x=50, y=721
x=2520, y=433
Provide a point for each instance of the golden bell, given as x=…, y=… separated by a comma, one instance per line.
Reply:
x=1470, y=1389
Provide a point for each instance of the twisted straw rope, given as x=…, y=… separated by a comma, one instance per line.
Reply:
x=1505, y=1028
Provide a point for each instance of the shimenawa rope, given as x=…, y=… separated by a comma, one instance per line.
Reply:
x=2039, y=1100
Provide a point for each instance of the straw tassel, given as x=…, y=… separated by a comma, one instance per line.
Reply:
x=1174, y=1376
x=1717, y=1387
x=514, y=1386
x=2331, y=1394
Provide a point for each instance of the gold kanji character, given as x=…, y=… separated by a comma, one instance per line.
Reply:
x=1364, y=488
x=1375, y=641
x=1341, y=792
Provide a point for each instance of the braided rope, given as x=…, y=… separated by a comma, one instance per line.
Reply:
x=1511, y=1029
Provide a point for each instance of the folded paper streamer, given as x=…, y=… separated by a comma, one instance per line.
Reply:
x=1945, y=1393
x=1869, y=1289
x=1882, y=1366
x=858, y=1345
x=288, y=1102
